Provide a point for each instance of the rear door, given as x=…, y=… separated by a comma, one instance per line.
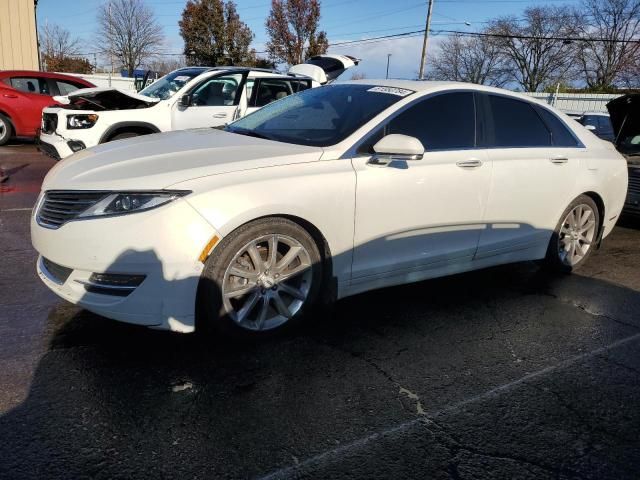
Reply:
x=535, y=160
x=214, y=101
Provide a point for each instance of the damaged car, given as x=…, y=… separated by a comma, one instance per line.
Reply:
x=191, y=97
x=625, y=118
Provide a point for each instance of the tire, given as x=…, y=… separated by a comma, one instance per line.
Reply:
x=6, y=130
x=575, y=236
x=240, y=293
x=123, y=135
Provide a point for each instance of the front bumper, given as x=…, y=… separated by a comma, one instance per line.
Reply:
x=163, y=245
x=58, y=147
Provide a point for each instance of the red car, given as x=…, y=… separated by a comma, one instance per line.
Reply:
x=23, y=95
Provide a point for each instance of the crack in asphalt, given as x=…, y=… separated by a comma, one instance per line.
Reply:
x=430, y=417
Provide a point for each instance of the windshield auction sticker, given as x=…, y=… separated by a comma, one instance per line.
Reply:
x=401, y=92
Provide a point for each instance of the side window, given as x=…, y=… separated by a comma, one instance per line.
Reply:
x=249, y=88
x=441, y=122
x=605, y=124
x=560, y=134
x=66, y=88
x=217, y=91
x=270, y=90
x=514, y=123
x=300, y=85
x=30, y=85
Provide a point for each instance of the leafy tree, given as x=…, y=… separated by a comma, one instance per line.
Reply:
x=214, y=34
x=534, y=50
x=292, y=27
x=615, y=60
x=129, y=32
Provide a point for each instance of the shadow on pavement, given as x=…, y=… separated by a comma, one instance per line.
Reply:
x=110, y=400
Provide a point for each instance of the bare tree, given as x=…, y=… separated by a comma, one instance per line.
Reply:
x=292, y=27
x=533, y=47
x=603, y=63
x=475, y=59
x=56, y=41
x=129, y=31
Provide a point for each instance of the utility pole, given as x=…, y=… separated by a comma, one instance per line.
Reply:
x=388, y=57
x=110, y=43
x=424, y=42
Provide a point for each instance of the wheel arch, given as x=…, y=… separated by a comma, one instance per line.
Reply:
x=121, y=127
x=599, y=201
x=10, y=118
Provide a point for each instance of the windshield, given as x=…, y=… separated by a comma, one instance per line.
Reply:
x=320, y=116
x=168, y=85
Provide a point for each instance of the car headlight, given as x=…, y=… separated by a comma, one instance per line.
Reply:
x=81, y=121
x=119, y=203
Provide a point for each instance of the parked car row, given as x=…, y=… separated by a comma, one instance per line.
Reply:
x=318, y=196
x=190, y=97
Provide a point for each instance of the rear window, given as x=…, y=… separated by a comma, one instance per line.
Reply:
x=560, y=134
x=514, y=123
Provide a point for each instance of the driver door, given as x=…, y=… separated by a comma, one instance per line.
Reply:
x=417, y=215
x=213, y=102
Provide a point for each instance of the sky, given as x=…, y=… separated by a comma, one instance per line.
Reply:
x=343, y=20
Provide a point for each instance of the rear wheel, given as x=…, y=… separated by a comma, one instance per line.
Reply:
x=262, y=278
x=6, y=129
x=575, y=235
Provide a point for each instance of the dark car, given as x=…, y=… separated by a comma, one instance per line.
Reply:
x=23, y=95
x=625, y=119
x=598, y=123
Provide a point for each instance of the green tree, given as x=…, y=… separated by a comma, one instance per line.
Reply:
x=214, y=35
x=292, y=27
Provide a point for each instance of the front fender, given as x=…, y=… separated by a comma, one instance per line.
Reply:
x=321, y=193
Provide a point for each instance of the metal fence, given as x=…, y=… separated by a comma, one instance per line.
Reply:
x=576, y=102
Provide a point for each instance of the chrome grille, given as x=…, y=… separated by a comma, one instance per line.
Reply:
x=634, y=180
x=49, y=122
x=61, y=206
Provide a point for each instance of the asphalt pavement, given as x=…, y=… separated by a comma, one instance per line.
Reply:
x=509, y=372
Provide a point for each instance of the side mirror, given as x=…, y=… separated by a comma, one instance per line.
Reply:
x=590, y=127
x=397, y=147
x=185, y=101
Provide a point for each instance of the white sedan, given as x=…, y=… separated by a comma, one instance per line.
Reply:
x=318, y=196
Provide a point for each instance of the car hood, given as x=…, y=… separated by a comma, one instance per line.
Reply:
x=625, y=119
x=105, y=98
x=157, y=161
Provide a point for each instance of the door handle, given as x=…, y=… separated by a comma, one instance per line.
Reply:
x=559, y=160
x=220, y=115
x=471, y=163
x=9, y=95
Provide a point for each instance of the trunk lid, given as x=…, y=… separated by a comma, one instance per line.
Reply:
x=324, y=68
x=625, y=119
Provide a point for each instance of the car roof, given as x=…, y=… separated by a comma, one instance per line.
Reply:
x=35, y=73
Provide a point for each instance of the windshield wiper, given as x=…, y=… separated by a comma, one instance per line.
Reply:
x=249, y=133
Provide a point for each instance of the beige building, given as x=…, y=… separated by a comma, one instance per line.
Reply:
x=18, y=38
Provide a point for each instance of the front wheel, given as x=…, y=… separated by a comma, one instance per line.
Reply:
x=263, y=277
x=6, y=130
x=575, y=235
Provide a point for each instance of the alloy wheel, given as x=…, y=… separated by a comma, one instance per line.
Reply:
x=3, y=130
x=577, y=234
x=267, y=282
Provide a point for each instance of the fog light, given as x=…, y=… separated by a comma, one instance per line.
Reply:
x=119, y=285
x=76, y=145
